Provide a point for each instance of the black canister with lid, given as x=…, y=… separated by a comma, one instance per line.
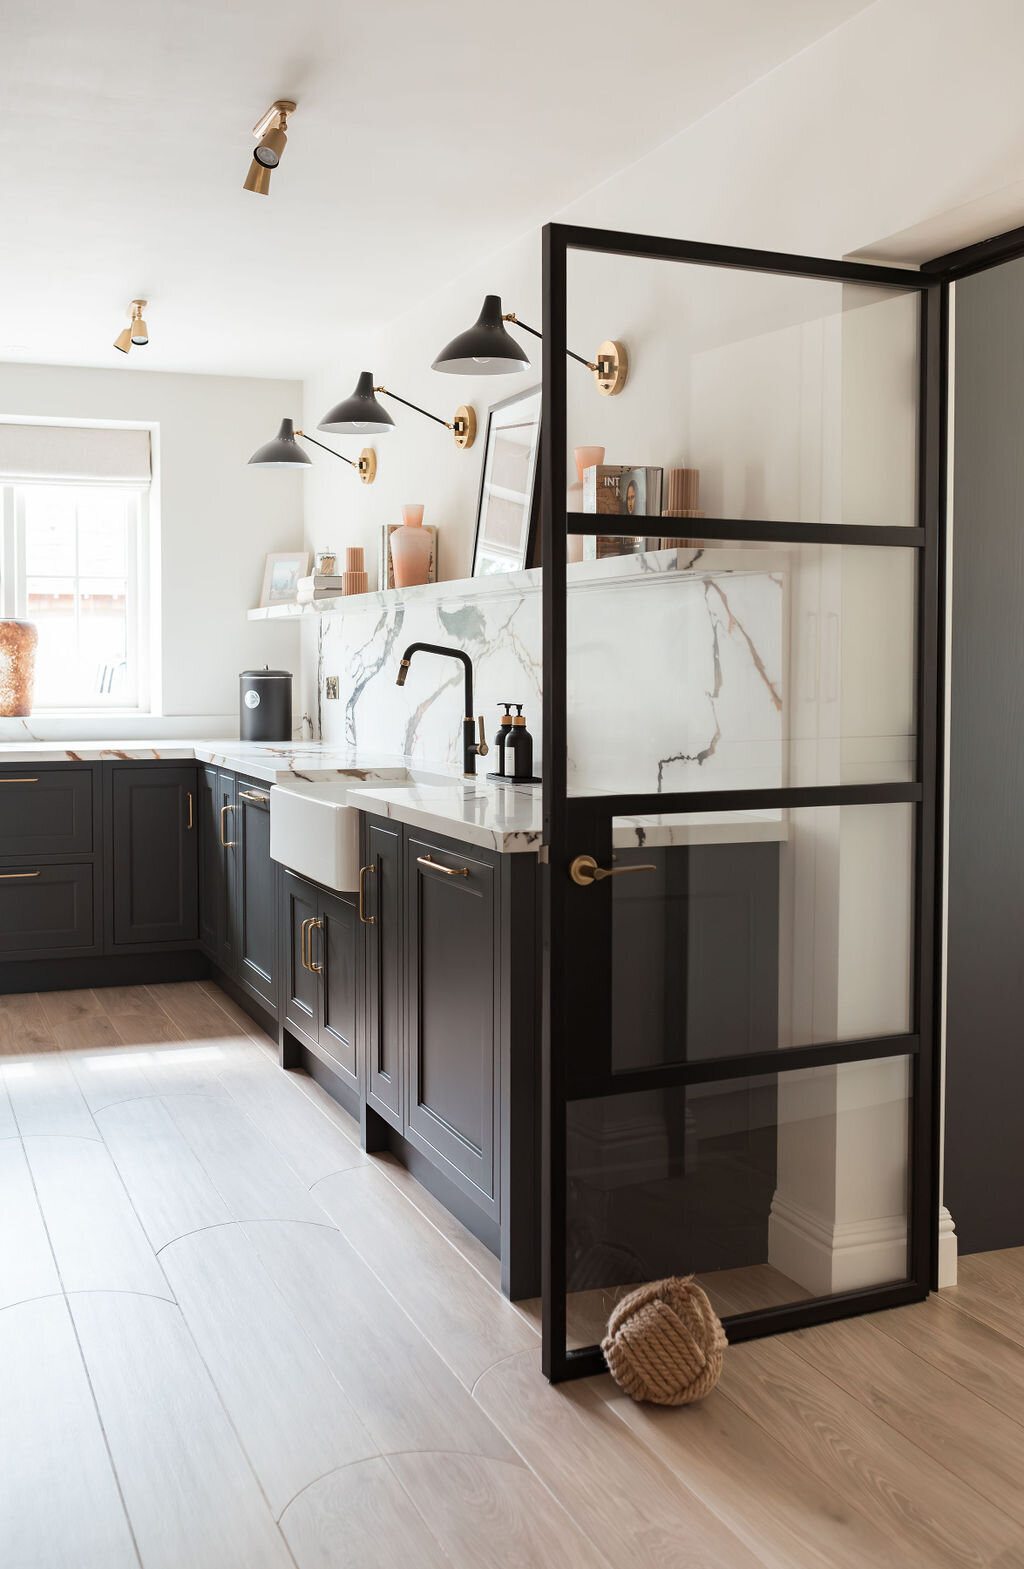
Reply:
x=265, y=705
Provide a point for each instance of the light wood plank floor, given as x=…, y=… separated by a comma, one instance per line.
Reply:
x=229, y=1340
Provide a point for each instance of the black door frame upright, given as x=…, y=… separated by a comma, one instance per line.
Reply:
x=576, y=937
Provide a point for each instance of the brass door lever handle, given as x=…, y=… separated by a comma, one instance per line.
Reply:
x=585, y=870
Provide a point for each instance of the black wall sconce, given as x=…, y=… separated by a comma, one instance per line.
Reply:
x=361, y=415
x=486, y=349
x=284, y=452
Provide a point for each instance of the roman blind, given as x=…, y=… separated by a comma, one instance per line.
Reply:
x=74, y=452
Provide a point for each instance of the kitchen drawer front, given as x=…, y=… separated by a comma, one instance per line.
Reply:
x=47, y=909
x=46, y=811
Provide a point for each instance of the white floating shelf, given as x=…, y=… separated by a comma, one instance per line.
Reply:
x=652, y=565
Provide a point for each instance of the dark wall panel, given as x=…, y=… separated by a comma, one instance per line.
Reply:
x=984, y=1152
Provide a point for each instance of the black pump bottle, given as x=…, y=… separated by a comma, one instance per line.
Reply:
x=501, y=739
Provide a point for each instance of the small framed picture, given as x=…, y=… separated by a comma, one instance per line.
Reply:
x=281, y=576
x=506, y=514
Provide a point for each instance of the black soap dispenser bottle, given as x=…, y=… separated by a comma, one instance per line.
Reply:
x=520, y=745
x=501, y=739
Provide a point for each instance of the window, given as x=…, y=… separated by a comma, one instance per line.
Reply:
x=74, y=563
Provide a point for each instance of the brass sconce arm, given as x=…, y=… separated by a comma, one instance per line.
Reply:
x=366, y=463
x=463, y=425
x=511, y=316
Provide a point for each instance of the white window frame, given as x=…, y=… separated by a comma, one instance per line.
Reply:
x=13, y=589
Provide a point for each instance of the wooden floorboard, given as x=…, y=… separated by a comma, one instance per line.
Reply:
x=360, y=1516
x=982, y=1447
x=60, y=1507
x=229, y=1338
x=291, y=1415
x=461, y=1314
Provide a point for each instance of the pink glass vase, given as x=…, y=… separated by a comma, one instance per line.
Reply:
x=411, y=547
x=585, y=457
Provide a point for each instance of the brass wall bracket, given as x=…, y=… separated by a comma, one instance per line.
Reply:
x=367, y=465
x=464, y=426
x=612, y=368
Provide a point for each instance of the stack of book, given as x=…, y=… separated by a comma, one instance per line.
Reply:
x=319, y=586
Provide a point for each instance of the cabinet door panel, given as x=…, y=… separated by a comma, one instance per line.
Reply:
x=49, y=909
x=302, y=1003
x=384, y=978
x=451, y=1008
x=227, y=839
x=211, y=864
x=334, y=948
x=257, y=901
x=155, y=860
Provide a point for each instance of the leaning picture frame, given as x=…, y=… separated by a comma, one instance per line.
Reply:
x=507, y=506
x=281, y=576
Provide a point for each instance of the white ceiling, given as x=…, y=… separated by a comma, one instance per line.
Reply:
x=426, y=136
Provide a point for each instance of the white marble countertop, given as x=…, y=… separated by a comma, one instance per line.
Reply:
x=437, y=799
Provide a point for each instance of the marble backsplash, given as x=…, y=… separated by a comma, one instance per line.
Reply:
x=675, y=668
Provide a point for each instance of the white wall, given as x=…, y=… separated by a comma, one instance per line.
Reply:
x=216, y=518
x=840, y=146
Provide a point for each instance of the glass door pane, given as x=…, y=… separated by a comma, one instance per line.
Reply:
x=771, y=1190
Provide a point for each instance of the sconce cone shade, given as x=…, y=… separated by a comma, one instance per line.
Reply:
x=258, y=179
x=360, y=414
x=139, y=333
x=123, y=341
x=485, y=349
x=284, y=451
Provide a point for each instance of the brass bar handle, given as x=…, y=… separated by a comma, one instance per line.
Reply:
x=250, y=795
x=305, y=933
x=314, y=926
x=189, y=824
x=367, y=920
x=449, y=871
x=26, y=779
x=228, y=844
x=7, y=876
x=585, y=870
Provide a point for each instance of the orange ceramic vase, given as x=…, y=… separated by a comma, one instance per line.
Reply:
x=411, y=547
x=18, y=641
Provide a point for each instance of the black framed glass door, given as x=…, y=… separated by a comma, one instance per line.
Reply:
x=740, y=802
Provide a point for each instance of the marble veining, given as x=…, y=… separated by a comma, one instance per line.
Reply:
x=675, y=668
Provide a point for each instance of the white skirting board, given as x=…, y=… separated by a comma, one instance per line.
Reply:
x=847, y=1256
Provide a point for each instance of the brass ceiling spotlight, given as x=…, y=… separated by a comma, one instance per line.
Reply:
x=137, y=333
x=271, y=132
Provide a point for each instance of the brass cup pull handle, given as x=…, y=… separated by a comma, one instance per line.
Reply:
x=189, y=823
x=314, y=926
x=585, y=870
x=449, y=871
x=367, y=920
x=250, y=795
x=8, y=876
x=228, y=844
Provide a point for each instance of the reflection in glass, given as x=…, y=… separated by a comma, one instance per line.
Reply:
x=770, y=1190
x=758, y=931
